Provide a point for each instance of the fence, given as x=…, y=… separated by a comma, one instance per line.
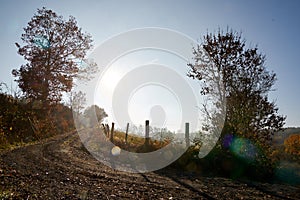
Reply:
x=110, y=132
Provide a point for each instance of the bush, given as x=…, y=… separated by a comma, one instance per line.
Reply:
x=15, y=125
x=227, y=163
x=292, y=146
x=23, y=121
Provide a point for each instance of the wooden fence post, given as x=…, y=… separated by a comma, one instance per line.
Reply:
x=187, y=134
x=107, y=130
x=147, y=139
x=126, y=135
x=112, y=132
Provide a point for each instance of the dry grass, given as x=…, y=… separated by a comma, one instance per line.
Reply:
x=136, y=143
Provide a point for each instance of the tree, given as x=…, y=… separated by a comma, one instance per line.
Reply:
x=77, y=100
x=94, y=114
x=292, y=145
x=236, y=79
x=54, y=49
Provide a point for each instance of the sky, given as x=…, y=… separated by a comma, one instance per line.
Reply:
x=272, y=25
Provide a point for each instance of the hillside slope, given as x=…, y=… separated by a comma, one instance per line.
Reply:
x=60, y=168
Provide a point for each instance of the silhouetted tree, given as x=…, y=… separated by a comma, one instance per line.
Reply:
x=77, y=100
x=236, y=78
x=94, y=114
x=54, y=49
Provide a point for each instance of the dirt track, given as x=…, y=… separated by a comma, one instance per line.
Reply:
x=60, y=168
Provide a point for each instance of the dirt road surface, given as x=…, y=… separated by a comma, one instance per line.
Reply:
x=61, y=168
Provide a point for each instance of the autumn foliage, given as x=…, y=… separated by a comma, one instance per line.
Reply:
x=55, y=53
x=292, y=144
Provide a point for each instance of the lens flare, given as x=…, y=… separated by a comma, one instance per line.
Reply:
x=288, y=172
x=227, y=141
x=243, y=148
x=41, y=42
x=124, y=86
x=115, y=151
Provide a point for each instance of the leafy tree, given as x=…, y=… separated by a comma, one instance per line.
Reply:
x=235, y=78
x=54, y=49
x=94, y=114
x=292, y=145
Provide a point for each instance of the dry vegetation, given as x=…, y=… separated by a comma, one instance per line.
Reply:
x=135, y=143
x=60, y=168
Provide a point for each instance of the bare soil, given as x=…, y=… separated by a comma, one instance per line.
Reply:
x=61, y=168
